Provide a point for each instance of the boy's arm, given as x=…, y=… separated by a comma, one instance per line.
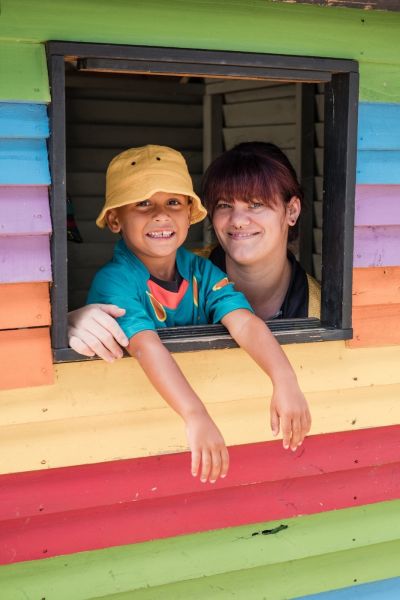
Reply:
x=205, y=440
x=288, y=406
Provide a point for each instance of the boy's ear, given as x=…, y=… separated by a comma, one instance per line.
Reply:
x=112, y=220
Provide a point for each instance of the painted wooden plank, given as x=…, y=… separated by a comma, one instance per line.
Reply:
x=377, y=246
x=329, y=550
x=23, y=121
x=23, y=72
x=378, y=126
x=386, y=589
x=24, y=210
x=377, y=205
x=378, y=166
x=56, y=437
x=262, y=92
x=25, y=259
x=84, y=508
x=379, y=82
x=264, y=112
x=281, y=135
x=125, y=136
x=25, y=356
x=304, y=30
x=24, y=162
x=24, y=305
x=134, y=113
x=377, y=325
x=376, y=285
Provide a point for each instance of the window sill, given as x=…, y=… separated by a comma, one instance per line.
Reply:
x=216, y=337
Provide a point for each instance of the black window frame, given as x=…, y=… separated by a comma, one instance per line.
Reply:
x=340, y=149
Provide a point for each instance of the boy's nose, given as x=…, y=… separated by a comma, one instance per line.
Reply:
x=161, y=214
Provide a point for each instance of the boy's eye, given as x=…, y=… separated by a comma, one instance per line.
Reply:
x=174, y=202
x=143, y=203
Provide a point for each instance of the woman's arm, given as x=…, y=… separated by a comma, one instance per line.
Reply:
x=205, y=440
x=93, y=330
x=289, y=408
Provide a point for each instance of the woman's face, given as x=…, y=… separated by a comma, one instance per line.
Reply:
x=250, y=232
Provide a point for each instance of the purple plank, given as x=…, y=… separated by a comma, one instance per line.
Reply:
x=25, y=259
x=377, y=246
x=24, y=210
x=377, y=205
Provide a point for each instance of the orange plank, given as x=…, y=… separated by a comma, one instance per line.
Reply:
x=24, y=305
x=25, y=358
x=377, y=325
x=376, y=285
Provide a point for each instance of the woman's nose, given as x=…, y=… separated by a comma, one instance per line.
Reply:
x=239, y=217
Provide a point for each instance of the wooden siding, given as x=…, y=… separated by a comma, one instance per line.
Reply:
x=289, y=558
x=70, y=423
x=89, y=507
x=25, y=358
x=24, y=305
x=389, y=589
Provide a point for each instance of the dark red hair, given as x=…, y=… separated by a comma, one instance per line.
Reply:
x=251, y=171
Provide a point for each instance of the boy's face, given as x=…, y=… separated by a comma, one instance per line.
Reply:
x=153, y=228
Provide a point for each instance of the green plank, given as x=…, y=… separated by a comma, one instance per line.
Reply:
x=283, y=581
x=23, y=72
x=379, y=82
x=236, y=550
x=259, y=26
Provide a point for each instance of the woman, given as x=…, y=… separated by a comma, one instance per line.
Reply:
x=254, y=201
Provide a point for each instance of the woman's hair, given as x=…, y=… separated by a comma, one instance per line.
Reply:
x=251, y=171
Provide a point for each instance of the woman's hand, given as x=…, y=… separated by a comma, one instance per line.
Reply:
x=93, y=330
x=290, y=413
x=208, y=448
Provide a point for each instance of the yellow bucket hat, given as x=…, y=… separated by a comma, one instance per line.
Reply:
x=138, y=173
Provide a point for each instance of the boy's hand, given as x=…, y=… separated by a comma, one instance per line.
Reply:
x=208, y=448
x=290, y=412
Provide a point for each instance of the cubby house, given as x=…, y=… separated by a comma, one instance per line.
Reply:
x=96, y=500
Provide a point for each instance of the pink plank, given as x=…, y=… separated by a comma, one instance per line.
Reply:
x=377, y=205
x=377, y=246
x=24, y=210
x=25, y=259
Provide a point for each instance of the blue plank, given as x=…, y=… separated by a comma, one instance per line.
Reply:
x=378, y=166
x=387, y=589
x=24, y=162
x=378, y=126
x=19, y=121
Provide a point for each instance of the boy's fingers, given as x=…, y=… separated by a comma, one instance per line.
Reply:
x=225, y=461
x=216, y=465
x=296, y=433
x=95, y=345
x=274, y=422
x=105, y=338
x=286, y=425
x=205, y=465
x=196, y=456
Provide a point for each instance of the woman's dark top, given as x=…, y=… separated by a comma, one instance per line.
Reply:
x=295, y=304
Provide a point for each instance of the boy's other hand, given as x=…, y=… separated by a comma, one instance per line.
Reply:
x=209, y=453
x=93, y=330
x=290, y=413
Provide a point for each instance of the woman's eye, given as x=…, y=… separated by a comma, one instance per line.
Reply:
x=255, y=204
x=222, y=205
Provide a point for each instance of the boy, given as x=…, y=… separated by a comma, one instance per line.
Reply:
x=150, y=201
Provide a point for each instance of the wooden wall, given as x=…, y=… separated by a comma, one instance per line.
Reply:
x=96, y=496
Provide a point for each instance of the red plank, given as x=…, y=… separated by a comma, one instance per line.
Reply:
x=24, y=305
x=25, y=358
x=82, y=508
x=24, y=210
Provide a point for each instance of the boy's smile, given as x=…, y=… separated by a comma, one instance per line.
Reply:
x=154, y=229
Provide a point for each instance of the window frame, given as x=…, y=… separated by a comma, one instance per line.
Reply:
x=340, y=150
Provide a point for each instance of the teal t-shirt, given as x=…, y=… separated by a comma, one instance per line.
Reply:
x=206, y=296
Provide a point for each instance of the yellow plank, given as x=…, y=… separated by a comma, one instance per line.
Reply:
x=90, y=389
x=132, y=434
